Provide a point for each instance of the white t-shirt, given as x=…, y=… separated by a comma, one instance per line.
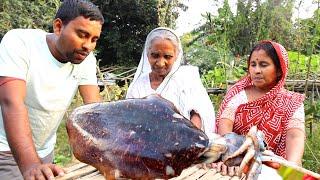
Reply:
x=185, y=90
x=50, y=85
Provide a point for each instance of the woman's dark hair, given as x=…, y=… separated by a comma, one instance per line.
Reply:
x=271, y=52
x=71, y=9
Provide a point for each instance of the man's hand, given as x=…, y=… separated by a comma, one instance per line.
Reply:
x=42, y=172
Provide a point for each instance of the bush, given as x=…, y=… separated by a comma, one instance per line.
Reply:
x=26, y=14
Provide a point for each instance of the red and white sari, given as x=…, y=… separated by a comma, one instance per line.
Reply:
x=271, y=113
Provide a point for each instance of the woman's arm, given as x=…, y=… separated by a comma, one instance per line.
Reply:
x=225, y=126
x=295, y=145
x=296, y=136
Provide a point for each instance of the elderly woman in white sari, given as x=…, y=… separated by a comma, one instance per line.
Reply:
x=161, y=71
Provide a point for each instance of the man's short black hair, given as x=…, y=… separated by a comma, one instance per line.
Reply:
x=71, y=9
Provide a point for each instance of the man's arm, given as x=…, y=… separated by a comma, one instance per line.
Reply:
x=89, y=93
x=18, y=132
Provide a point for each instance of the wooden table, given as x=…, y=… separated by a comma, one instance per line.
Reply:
x=81, y=171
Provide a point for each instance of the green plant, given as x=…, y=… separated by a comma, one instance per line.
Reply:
x=299, y=65
x=311, y=157
x=26, y=14
x=62, y=151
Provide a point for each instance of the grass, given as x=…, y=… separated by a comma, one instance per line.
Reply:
x=311, y=158
x=63, y=152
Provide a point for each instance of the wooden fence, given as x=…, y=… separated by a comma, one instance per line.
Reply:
x=120, y=75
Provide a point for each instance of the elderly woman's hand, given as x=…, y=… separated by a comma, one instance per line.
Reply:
x=195, y=119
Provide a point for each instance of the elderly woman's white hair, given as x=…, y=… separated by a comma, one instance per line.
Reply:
x=163, y=34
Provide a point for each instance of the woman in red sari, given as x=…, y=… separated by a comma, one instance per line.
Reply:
x=261, y=99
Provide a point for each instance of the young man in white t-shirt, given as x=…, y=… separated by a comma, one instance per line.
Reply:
x=40, y=73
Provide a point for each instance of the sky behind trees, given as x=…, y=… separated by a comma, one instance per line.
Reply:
x=192, y=18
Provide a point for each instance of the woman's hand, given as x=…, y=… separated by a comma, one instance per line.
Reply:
x=224, y=170
x=195, y=119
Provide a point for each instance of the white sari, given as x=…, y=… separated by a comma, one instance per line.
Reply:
x=182, y=86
